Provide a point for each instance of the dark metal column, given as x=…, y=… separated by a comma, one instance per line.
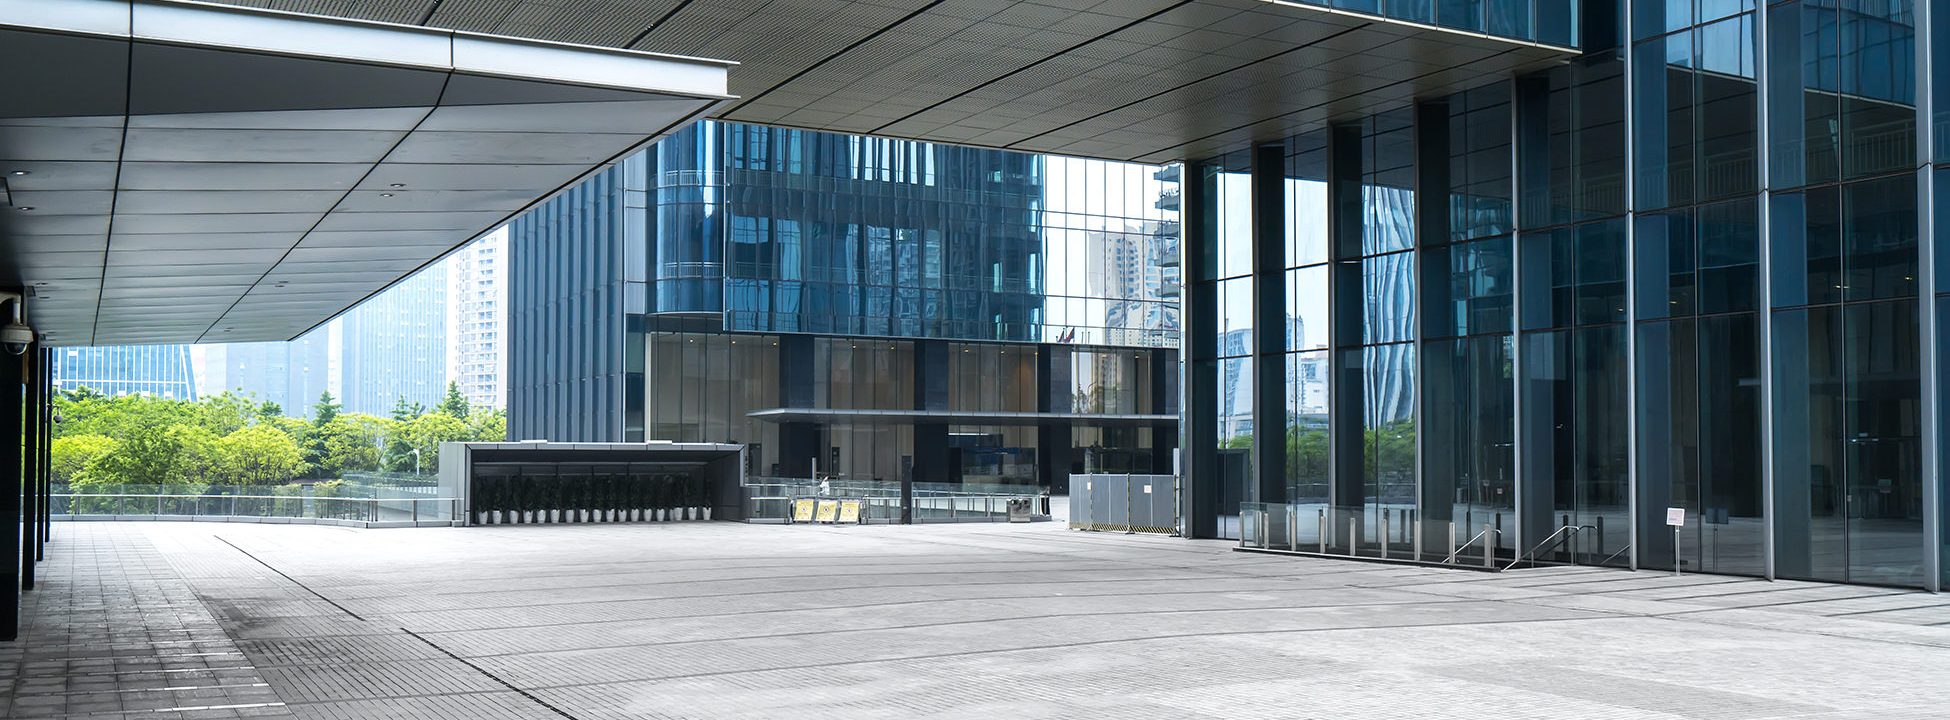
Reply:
x=30, y=465
x=1198, y=248
x=47, y=454
x=1435, y=503
x=1270, y=323
x=1347, y=426
x=12, y=383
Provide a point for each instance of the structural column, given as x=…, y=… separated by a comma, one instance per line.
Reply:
x=12, y=410
x=30, y=464
x=1270, y=324
x=1347, y=427
x=1199, y=433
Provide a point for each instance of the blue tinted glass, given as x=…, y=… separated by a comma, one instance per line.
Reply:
x=1388, y=298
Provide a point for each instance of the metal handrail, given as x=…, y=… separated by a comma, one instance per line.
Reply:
x=1466, y=543
x=1574, y=529
x=1621, y=551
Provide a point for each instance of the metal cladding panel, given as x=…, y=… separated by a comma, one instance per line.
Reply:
x=241, y=176
x=1147, y=80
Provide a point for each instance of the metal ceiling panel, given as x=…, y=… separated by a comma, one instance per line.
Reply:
x=272, y=170
x=1027, y=74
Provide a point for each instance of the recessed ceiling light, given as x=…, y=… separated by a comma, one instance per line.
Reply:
x=397, y=185
x=25, y=208
x=22, y=172
x=385, y=194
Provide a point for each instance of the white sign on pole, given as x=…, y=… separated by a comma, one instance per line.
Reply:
x=1675, y=516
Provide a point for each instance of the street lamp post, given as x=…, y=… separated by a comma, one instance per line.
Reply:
x=416, y=461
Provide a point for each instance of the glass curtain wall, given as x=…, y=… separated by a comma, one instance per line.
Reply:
x=1848, y=474
x=1386, y=353
x=1697, y=245
x=1468, y=350
x=1744, y=341
x=1234, y=363
x=1308, y=345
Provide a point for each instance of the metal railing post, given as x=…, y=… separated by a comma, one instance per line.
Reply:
x=1130, y=525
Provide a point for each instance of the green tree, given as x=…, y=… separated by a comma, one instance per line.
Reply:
x=176, y=454
x=350, y=443
x=259, y=455
x=453, y=404
x=326, y=409
x=70, y=457
x=488, y=426
x=423, y=433
x=404, y=411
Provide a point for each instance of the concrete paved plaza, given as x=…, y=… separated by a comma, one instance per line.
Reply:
x=721, y=620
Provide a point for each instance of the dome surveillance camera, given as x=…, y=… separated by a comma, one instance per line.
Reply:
x=17, y=337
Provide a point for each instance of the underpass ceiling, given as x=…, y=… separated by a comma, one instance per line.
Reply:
x=1145, y=80
x=160, y=190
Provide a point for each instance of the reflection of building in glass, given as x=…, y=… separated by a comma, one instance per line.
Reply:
x=880, y=308
x=159, y=370
x=1519, y=315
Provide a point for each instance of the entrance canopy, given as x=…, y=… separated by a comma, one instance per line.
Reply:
x=184, y=172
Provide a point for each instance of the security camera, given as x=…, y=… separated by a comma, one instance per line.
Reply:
x=16, y=337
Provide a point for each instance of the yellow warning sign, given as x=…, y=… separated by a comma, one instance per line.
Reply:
x=850, y=511
x=802, y=511
x=828, y=509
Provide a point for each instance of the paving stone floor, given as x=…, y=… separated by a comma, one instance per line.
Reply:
x=722, y=620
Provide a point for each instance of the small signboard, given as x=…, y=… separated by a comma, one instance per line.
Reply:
x=802, y=510
x=828, y=510
x=850, y=511
x=1676, y=517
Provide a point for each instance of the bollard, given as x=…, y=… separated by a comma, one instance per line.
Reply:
x=1353, y=541
x=1293, y=528
x=1489, y=551
x=1452, y=536
x=1320, y=530
x=1384, y=535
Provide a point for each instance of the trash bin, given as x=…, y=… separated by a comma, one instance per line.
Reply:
x=1019, y=509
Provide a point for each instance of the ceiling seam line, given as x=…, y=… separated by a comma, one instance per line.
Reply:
x=849, y=48
x=1025, y=68
x=659, y=22
x=1311, y=107
x=688, y=118
x=115, y=194
x=437, y=100
x=1208, y=78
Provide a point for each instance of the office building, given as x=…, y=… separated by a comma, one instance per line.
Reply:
x=158, y=370
x=393, y=347
x=1696, y=269
x=477, y=292
x=874, y=308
